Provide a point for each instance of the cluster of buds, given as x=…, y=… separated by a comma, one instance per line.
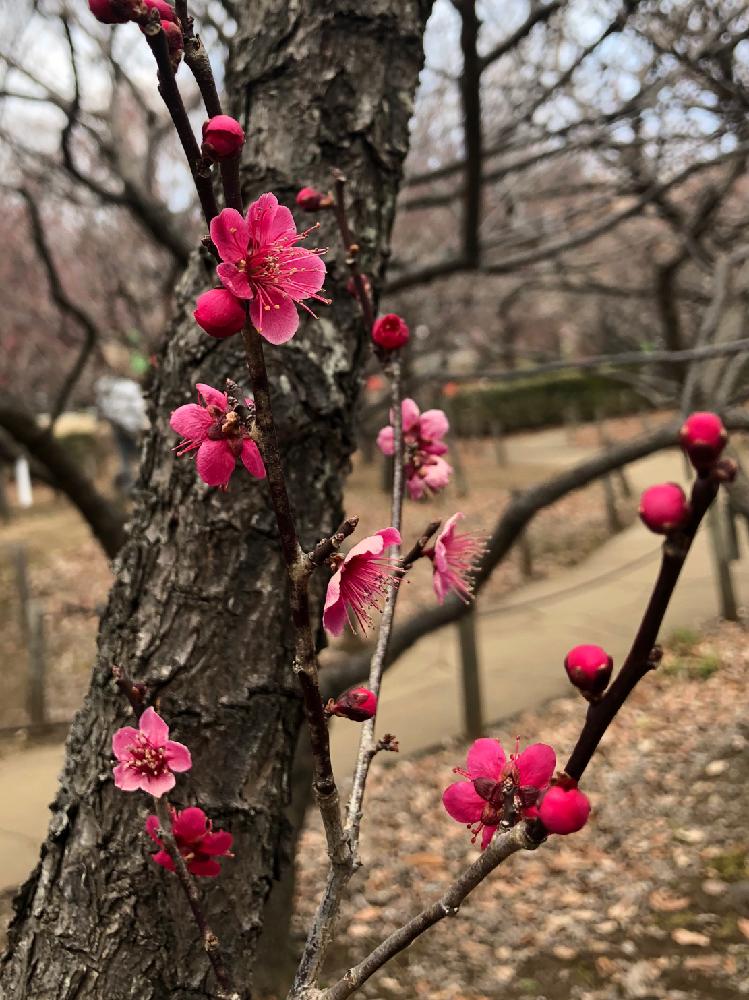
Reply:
x=357, y=704
x=665, y=508
x=147, y=13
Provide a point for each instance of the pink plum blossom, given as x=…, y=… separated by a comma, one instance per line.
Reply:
x=360, y=579
x=454, y=559
x=197, y=843
x=146, y=757
x=498, y=791
x=261, y=263
x=220, y=436
x=426, y=471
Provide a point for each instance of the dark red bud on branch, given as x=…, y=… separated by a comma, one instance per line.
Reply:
x=703, y=437
x=664, y=508
x=223, y=137
x=390, y=332
x=166, y=11
x=219, y=313
x=311, y=200
x=113, y=11
x=564, y=810
x=352, y=288
x=358, y=703
x=589, y=669
x=175, y=41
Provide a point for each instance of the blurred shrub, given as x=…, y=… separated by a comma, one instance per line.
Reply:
x=542, y=401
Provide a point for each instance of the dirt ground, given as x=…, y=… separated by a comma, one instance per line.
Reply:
x=650, y=900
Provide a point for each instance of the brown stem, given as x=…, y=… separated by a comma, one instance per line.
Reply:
x=675, y=550
x=352, y=250
x=298, y=568
x=208, y=938
x=171, y=96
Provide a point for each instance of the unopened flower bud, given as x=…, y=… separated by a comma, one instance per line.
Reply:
x=358, y=703
x=564, y=810
x=112, y=11
x=725, y=470
x=390, y=332
x=219, y=313
x=589, y=669
x=664, y=508
x=166, y=11
x=311, y=200
x=175, y=41
x=223, y=137
x=703, y=437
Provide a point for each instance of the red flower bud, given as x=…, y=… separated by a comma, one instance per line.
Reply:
x=664, y=508
x=589, y=668
x=175, y=41
x=219, y=313
x=311, y=200
x=358, y=703
x=112, y=11
x=223, y=137
x=564, y=810
x=390, y=332
x=703, y=437
x=166, y=11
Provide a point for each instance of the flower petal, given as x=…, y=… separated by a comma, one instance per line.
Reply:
x=462, y=802
x=334, y=613
x=152, y=828
x=154, y=728
x=178, y=756
x=283, y=225
x=218, y=843
x=190, y=825
x=234, y=280
x=191, y=421
x=374, y=545
x=536, y=765
x=485, y=759
x=126, y=779
x=164, y=859
x=410, y=414
x=159, y=785
x=231, y=235
x=386, y=441
x=211, y=396
x=433, y=424
x=277, y=319
x=251, y=459
x=486, y=836
x=206, y=869
x=215, y=462
x=260, y=218
x=122, y=740
x=307, y=276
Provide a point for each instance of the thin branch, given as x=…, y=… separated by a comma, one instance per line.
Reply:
x=537, y=15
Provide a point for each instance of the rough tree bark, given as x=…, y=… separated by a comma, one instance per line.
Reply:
x=199, y=608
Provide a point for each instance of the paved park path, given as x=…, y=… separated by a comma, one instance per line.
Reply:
x=522, y=642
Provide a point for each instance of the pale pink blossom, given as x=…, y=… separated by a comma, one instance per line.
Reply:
x=196, y=841
x=454, y=558
x=146, y=757
x=426, y=472
x=262, y=263
x=359, y=581
x=498, y=791
x=219, y=435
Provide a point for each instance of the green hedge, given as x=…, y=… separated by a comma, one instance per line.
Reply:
x=543, y=401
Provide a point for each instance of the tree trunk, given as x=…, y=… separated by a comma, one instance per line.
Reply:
x=199, y=608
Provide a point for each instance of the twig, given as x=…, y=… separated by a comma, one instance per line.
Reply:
x=171, y=96
x=352, y=249
x=638, y=662
x=208, y=938
x=520, y=838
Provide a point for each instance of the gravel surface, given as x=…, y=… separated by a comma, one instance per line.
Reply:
x=650, y=900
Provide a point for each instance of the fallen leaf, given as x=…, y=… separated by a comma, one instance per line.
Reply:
x=686, y=937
